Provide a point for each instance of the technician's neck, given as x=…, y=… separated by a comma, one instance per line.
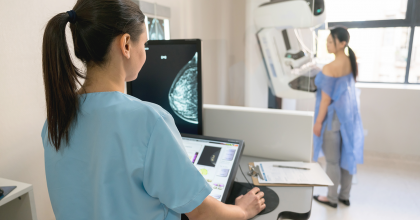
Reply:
x=103, y=80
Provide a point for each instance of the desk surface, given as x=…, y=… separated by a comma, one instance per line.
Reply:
x=21, y=189
x=293, y=199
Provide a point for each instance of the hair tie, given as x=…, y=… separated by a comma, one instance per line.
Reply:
x=72, y=16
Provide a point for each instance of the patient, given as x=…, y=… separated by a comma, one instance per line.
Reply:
x=338, y=127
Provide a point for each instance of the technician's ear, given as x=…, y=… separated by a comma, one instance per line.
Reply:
x=125, y=45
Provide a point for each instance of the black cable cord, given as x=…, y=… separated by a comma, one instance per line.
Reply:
x=252, y=185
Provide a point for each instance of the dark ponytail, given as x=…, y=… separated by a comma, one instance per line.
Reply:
x=60, y=80
x=94, y=26
x=353, y=63
x=342, y=34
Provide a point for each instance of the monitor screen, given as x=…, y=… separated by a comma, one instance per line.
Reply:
x=171, y=78
x=216, y=159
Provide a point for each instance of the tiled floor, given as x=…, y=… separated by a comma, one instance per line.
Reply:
x=385, y=189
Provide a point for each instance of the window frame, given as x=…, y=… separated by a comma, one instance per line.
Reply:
x=412, y=19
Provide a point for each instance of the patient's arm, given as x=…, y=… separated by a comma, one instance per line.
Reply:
x=323, y=108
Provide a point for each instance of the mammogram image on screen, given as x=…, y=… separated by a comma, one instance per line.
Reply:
x=209, y=156
x=183, y=95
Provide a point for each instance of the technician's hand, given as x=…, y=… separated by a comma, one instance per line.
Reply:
x=251, y=203
x=317, y=129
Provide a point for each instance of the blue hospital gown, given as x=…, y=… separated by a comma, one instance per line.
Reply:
x=125, y=160
x=342, y=91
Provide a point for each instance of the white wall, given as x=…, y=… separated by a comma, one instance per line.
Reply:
x=256, y=87
x=391, y=117
x=219, y=23
x=22, y=103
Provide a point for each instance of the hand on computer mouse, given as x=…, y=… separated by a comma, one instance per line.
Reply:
x=251, y=203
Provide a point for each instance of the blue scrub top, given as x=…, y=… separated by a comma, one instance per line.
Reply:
x=342, y=91
x=125, y=160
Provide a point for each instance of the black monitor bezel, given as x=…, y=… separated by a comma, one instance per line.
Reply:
x=196, y=42
x=235, y=165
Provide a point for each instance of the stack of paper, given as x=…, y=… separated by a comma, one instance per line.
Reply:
x=271, y=174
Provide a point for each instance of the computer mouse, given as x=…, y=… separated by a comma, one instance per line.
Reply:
x=272, y=200
x=1, y=192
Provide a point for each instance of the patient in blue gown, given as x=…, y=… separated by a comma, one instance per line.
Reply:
x=338, y=130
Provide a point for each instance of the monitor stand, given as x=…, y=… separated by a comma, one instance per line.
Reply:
x=272, y=200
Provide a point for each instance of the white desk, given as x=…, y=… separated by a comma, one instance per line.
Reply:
x=18, y=204
x=292, y=199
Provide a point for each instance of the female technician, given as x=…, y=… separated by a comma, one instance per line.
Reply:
x=109, y=155
x=338, y=128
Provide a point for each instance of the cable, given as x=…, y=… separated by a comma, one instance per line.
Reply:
x=304, y=47
x=252, y=185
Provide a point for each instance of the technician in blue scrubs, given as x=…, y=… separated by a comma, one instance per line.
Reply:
x=338, y=127
x=109, y=155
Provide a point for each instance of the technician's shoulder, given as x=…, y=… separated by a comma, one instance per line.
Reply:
x=144, y=108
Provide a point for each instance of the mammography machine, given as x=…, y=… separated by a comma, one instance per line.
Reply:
x=282, y=26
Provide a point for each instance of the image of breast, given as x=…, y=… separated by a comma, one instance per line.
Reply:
x=213, y=158
x=183, y=97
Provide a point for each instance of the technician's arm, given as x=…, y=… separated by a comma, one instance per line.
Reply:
x=245, y=207
x=323, y=108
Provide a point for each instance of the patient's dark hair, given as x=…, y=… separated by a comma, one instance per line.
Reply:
x=342, y=34
x=94, y=25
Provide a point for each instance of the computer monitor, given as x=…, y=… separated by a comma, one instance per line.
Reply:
x=217, y=159
x=171, y=78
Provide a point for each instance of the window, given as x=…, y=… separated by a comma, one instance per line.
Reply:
x=383, y=35
x=414, y=76
x=361, y=10
x=381, y=52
